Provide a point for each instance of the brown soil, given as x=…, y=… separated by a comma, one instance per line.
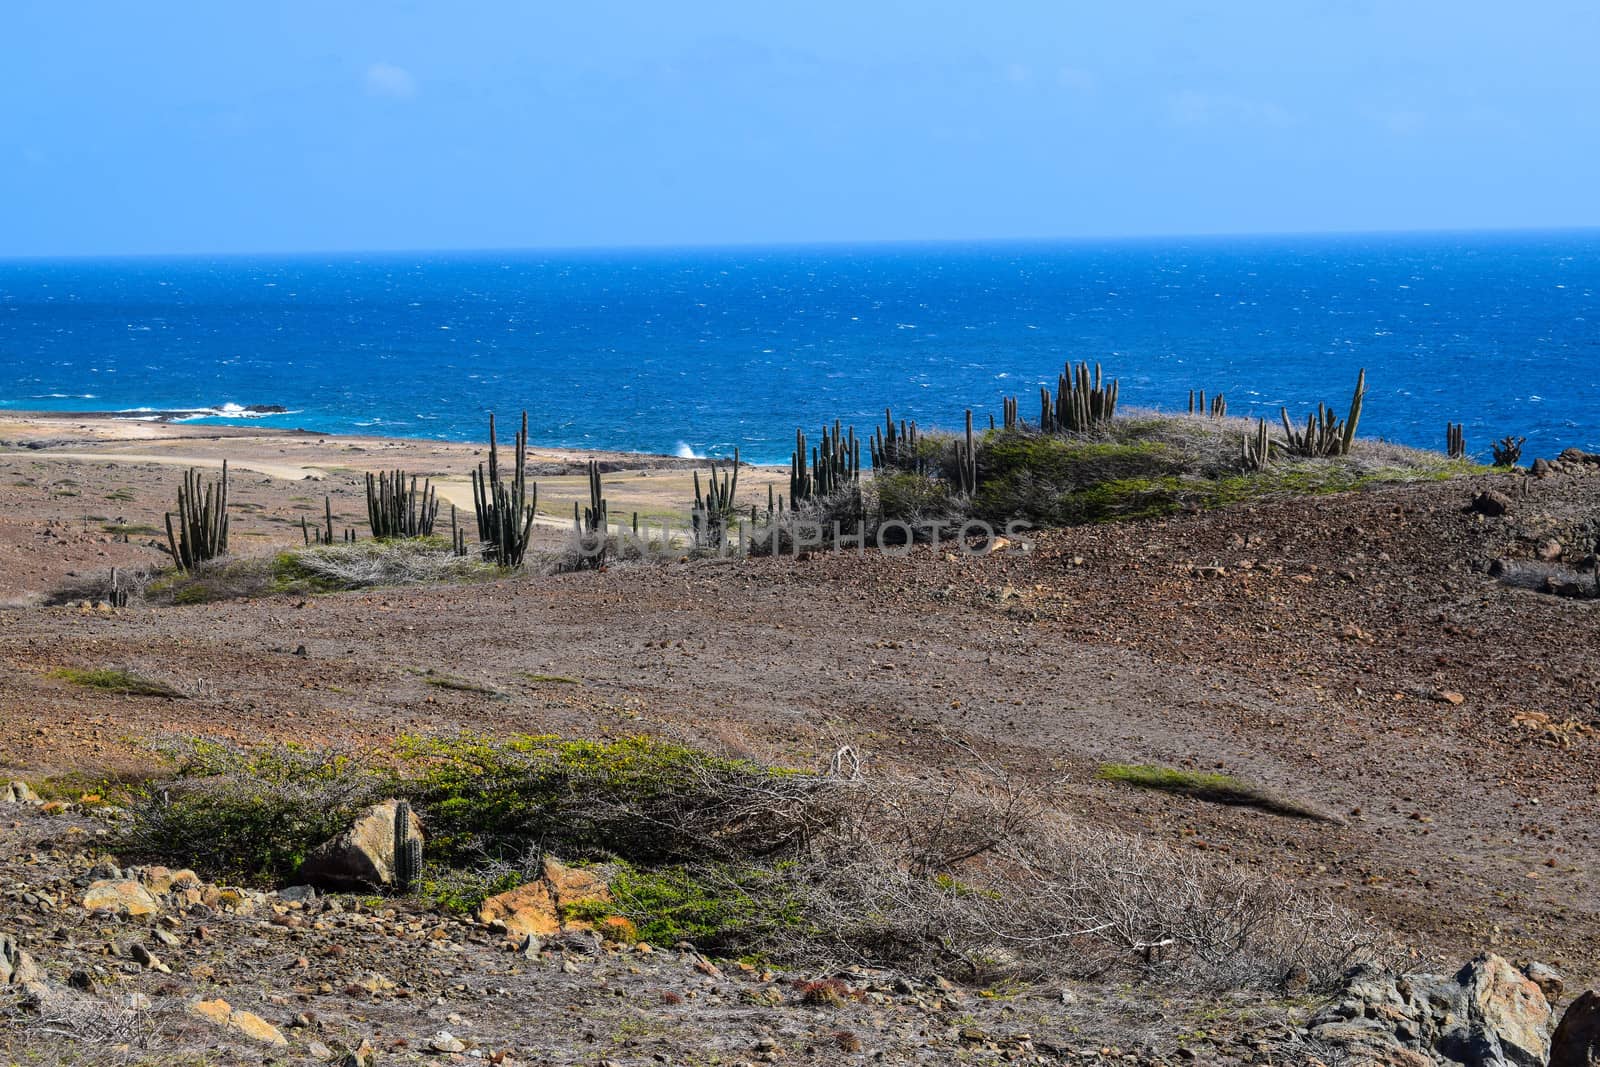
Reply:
x=1316, y=648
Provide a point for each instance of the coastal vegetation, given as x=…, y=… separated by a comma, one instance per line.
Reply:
x=1084, y=459
x=975, y=878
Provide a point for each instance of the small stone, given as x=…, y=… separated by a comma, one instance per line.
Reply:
x=147, y=959
x=248, y=1023
x=445, y=1041
x=1450, y=696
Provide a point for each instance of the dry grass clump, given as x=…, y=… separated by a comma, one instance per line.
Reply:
x=364, y=564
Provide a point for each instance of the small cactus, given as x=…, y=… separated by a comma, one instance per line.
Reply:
x=1508, y=451
x=967, y=460
x=1455, y=440
x=1256, y=449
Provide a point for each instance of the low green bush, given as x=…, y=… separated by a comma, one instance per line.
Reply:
x=248, y=815
x=113, y=680
x=635, y=798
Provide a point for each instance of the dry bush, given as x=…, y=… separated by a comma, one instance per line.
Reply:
x=365, y=564
x=130, y=582
x=978, y=877
x=96, y=1030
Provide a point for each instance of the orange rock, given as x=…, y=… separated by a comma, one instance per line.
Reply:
x=248, y=1023
x=527, y=909
x=122, y=895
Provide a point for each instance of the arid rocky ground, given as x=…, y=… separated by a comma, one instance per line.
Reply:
x=1349, y=652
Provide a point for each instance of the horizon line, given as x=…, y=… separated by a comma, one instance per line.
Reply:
x=820, y=244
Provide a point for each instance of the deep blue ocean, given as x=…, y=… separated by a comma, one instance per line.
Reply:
x=703, y=350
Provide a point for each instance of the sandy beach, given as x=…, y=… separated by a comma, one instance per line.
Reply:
x=278, y=477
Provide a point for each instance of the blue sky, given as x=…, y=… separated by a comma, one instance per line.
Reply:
x=219, y=127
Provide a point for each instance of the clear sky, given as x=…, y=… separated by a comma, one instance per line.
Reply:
x=215, y=126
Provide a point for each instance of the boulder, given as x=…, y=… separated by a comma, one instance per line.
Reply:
x=544, y=907
x=1511, y=1006
x=18, y=793
x=1577, y=1038
x=528, y=910
x=361, y=857
x=1489, y=1014
x=1491, y=502
x=16, y=966
x=122, y=896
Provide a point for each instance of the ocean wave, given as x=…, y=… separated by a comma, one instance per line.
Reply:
x=683, y=451
x=224, y=411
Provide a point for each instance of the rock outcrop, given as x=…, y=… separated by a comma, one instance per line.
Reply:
x=1490, y=1014
x=545, y=906
x=1576, y=1042
x=362, y=857
x=16, y=966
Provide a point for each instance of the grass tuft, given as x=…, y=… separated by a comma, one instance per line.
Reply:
x=112, y=680
x=1201, y=785
x=462, y=685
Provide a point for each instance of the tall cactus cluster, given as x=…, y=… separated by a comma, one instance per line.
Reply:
x=1455, y=440
x=407, y=849
x=967, y=460
x=715, y=508
x=505, y=511
x=1326, y=434
x=835, y=464
x=590, y=525
x=895, y=447
x=1009, y=413
x=1256, y=449
x=1082, y=401
x=396, y=508
x=1197, y=404
x=202, y=530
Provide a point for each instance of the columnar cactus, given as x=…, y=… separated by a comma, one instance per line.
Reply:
x=202, y=531
x=407, y=849
x=714, y=508
x=505, y=511
x=396, y=509
x=1256, y=449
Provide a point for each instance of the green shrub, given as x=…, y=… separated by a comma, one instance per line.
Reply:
x=726, y=909
x=112, y=680
x=248, y=814
x=635, y=798
x=461, y=891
